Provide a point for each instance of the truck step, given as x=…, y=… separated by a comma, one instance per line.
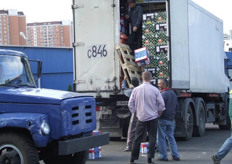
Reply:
x=127, y=61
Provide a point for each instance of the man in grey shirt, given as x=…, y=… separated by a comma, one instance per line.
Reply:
x=148, y=104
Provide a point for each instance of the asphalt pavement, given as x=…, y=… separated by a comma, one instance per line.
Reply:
x=198, y=150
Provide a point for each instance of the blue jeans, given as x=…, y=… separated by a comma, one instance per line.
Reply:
x=225, y=148
x=166, y=130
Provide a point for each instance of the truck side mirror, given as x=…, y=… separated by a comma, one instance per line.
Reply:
x=39, y=68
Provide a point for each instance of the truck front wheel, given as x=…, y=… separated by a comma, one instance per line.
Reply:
x=76, y=158
x=17, y=148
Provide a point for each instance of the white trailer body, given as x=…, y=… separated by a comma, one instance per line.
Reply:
x=195, y=62
x=196, y=47
x=207, y=71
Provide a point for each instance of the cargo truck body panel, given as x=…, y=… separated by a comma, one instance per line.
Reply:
x=96, y=68
x=185, y=43
x=205, y=51
x=195, y=48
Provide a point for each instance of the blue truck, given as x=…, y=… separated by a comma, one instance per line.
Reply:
x=42, y=124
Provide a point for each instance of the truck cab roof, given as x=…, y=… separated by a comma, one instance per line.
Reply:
x=12, y=52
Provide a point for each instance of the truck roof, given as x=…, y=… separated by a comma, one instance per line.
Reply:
x=12, y=52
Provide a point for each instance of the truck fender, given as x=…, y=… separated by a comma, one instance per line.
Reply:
x=29, y=121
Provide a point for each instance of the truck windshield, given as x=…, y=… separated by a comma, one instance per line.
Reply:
x=15, y=71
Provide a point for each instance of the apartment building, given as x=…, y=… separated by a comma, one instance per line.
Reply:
x=52, y=34
x=12, y=23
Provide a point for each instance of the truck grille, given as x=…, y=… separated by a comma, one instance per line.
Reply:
x=79, y=115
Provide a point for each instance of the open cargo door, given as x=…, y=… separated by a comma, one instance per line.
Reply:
x=94, y=46
x=180, y=69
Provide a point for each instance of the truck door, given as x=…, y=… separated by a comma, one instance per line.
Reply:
x=94, y=42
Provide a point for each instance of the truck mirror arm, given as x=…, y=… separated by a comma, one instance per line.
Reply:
x=39, y=68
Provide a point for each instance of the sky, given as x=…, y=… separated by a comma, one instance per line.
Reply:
x=41, y=10
x=58, y=10
x=221, y=8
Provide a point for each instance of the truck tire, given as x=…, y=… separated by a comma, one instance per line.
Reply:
x=17, y=148
x=188, y=117
x=125, y=125
x=76, y=158
x=228, y=124
x=199, y=127
x=82, y=157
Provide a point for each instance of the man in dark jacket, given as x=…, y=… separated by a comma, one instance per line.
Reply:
x=166, y=123
x=135, y=17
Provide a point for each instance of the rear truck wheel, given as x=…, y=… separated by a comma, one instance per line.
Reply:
x=125, y=125
x=123, y=114
x=76, y=158
x=228, y=124
x=188, y=118
x=109, y=122
x=17, y=149
x=199, y=126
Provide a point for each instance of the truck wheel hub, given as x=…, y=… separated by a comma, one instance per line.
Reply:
x=9, y=154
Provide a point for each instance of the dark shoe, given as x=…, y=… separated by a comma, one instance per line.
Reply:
x=176, y=159
x=162, y=159
x=215, y=161
x=126, y=149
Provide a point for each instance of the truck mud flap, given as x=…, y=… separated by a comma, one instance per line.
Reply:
x=82, y=144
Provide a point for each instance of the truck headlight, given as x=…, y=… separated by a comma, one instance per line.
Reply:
x=45, y=129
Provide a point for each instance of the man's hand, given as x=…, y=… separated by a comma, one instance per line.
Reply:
x=127, y=16
x=160, y=113
x=134, y=29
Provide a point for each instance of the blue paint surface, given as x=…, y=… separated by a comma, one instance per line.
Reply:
x=28, y=121
x=57, y=70
x=229, y=55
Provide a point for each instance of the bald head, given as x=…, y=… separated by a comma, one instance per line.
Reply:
x=147, y=76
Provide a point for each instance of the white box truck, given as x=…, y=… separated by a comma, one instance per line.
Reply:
x=195, y=63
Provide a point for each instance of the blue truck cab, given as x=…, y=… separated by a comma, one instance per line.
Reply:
x=42, y=124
